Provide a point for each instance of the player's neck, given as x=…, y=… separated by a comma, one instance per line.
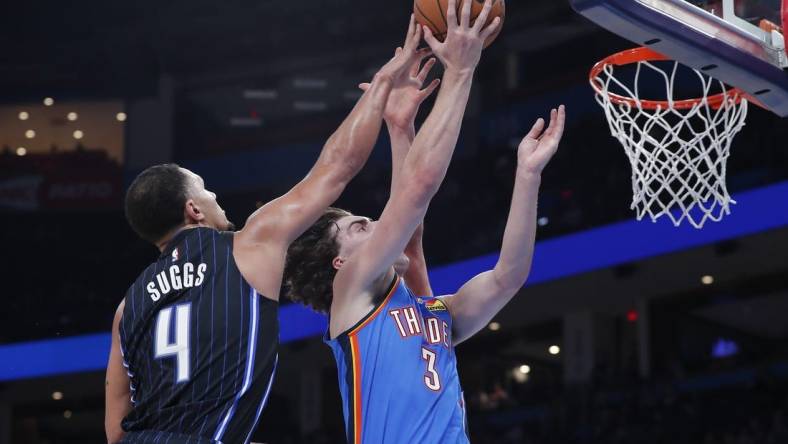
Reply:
x=383, y=285
x=162, y=244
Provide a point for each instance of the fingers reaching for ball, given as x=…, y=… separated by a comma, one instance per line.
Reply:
x=451, y=15
x=413, y=38
x=481, y=19
x=465, y=16
x=464, y=42
x=441, y=16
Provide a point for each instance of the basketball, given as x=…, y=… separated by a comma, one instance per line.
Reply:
x=432, y=13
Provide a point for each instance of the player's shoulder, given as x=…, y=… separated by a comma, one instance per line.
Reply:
x=227, y=236
x=201, y=234
x=397, y=289
x=196, y=241
x=213, y=236
x=402, y=286
x=146, y=274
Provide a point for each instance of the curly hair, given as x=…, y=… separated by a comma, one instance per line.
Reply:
x=309, y=275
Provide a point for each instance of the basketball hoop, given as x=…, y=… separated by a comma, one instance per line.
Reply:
x=678, y=149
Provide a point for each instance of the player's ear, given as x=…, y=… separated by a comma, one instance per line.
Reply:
x=338, y=262
x=193, y=213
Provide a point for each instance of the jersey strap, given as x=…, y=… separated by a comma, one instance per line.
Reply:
x=352, y=352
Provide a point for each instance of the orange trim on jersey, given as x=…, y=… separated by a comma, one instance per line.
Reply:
x=377, y=311
x=356, y=354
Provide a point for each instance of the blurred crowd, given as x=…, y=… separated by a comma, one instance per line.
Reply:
x=749, y=414
x=89, y=257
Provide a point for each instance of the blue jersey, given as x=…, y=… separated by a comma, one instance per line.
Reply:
x=200, y=346
x=398, y=373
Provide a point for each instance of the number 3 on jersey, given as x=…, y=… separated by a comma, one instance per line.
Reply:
x=431, y=377
x=179, y=348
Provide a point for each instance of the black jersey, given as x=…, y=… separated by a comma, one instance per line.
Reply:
x=199, y=344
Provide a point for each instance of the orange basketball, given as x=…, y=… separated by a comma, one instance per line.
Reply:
x=432, y=13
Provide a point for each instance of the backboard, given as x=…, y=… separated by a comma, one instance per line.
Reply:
x=739, y=42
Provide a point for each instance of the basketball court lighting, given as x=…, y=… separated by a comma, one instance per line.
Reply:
x=554, y=350
x=121, y=117
x=525, y=369
x=260, y=94
x=57, y=396
x=67, y=414
x=21, y=151
x=306, y=83
x=23, y=115
x=78, y=134
x=30, y=134
x=707, y=280
x=542, y=221
x=303, y=105
x=494, y=326
x=49, y=101
x=72, y=116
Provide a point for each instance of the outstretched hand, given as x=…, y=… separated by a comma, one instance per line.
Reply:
x=537, y=148
x=398, y=67
x=462, y=48
x=407, y=94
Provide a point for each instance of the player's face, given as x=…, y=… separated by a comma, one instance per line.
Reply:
x=353, y=231
x=205, y=201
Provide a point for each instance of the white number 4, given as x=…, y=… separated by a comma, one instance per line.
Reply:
x=179, y=348
x=431, y=377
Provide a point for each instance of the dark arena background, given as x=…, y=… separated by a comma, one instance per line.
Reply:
x=626, y=332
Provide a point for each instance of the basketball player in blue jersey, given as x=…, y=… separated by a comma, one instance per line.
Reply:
x=394, y=348
x=194, y=342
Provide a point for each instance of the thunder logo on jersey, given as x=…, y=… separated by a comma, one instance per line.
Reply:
x=409, y=321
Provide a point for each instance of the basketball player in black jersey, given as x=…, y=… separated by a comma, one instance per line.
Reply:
x=194, y=342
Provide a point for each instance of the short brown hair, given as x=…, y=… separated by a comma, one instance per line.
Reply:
x=155, y=200
x=309, y=273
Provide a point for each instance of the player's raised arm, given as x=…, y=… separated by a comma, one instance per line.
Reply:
x=482, y=297
x=117, y=393
x=424, y=167
x=268, y=232
x=400, y=115
x=402, y=131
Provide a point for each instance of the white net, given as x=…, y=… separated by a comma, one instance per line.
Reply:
x=679, y=149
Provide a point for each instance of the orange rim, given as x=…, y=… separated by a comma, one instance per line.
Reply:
x=631, y=56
